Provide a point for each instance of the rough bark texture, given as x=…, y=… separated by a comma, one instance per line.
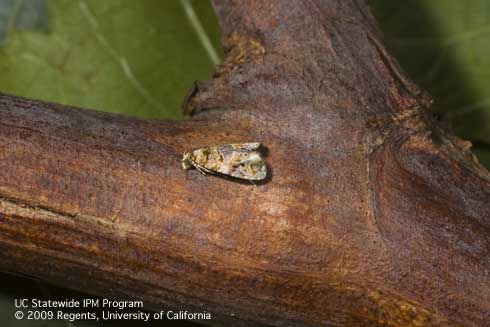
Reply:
x=372, y=215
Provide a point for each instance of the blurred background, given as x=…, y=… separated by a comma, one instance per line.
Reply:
x=139, y=58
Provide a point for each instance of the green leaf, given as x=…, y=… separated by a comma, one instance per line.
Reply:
x=443, y=45
x=132, y=57
x=23, y=15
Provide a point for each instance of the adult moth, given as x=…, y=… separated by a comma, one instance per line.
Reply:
x=240, y=160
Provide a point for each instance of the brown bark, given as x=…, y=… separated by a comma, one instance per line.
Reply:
x=373, y=214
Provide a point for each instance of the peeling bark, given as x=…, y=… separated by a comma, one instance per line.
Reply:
x=373, y=215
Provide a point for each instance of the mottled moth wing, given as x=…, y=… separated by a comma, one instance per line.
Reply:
x=238, y=160
x=241, y=161
x=241, y=147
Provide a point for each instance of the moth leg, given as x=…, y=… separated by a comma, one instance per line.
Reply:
x=252, y=182
x=201, y=170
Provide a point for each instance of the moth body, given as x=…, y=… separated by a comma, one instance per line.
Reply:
x=241, y=160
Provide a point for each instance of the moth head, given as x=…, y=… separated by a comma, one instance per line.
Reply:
x=186, y=161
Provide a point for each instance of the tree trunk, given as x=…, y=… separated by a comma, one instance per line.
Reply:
x=372, y=215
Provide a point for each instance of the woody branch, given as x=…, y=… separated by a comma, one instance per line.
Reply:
x=373, y=214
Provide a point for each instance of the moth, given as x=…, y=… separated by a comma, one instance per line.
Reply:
x=240, y=160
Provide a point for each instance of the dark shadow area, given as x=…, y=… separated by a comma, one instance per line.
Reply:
x=18, y=287
x=413, y=35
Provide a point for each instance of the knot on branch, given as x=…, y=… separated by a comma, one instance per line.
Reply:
x=215, y=93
